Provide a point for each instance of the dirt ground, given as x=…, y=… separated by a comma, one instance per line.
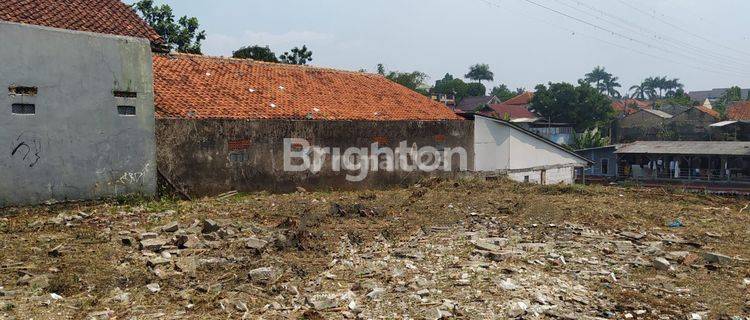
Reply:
x=463, y=249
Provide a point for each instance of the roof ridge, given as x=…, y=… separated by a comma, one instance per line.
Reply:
x=274, y=64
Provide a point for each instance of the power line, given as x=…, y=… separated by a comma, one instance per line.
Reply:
x=726, y=60
x=574, y=32
x=681, y=28
x=618, y=34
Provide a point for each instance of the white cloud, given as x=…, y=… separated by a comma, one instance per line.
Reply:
x=224, y=45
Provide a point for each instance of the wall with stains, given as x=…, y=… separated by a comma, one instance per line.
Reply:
x=67, y=131
x=208, y=157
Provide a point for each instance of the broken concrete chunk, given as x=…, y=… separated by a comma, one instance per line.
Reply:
x=153, y=287
x=171, y=227
x=210, y=226
x=632, y=235
x=188, y=242
x=262, y=275
x=661, y=264
x=154, y=244
x=717, y=258
x=256, y=244
x=323, y=301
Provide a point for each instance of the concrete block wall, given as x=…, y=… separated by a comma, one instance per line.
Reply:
x=62, y=134
x=208, y=157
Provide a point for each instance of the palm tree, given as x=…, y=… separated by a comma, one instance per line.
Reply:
x=605, y=82
x=610, y=86
x=639, y=92
x=598, y=75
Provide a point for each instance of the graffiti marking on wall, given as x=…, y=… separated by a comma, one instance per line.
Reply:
x=133, y=177
x=27, y=150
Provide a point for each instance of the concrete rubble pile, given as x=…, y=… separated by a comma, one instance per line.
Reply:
x=479, y=268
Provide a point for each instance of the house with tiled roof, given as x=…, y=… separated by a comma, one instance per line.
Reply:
x=739, y=111
x=100, y=16
x=518, y=110
x=475, y=104
x=229, y=124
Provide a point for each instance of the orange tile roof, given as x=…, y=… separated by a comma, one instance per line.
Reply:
x=521, y=99
x=710, y=112
x=101, y=16
x=739, y=111
x=191, y=86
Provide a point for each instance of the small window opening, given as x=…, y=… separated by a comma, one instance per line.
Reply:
x=26, y=91
x=126, y=94
x=605, y=166
x=23, y=108
x=526, y=179
x=126, y=110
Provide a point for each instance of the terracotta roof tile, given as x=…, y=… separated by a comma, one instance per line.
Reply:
x=521, y=99
x=190, y=86
x=710, y=112
x=100, y=16
x=739, y=111
x=512, y=112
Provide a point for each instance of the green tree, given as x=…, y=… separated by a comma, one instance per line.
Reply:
x=480, y=72
x=502, y=92
x=582, y=105
x=733, y=94
x=182, y=35
x=381, y=69
x=605, y=82
x=476, y=90
x=450, y=85
x=678, y=98
x=257, y=53
x=413, y=80
x=297, y=56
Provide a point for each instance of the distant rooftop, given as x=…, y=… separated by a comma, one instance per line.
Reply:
x=735, y=148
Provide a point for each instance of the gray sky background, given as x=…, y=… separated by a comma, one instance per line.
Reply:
x=707, y=46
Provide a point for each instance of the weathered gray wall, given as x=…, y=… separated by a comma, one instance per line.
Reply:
x=76, y=146
x=208, y=157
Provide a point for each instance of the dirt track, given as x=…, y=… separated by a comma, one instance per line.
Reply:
x=465, y=249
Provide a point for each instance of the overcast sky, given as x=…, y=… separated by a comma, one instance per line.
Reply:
x=705, y=43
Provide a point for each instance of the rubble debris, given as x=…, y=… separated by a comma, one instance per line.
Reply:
x=210, y=226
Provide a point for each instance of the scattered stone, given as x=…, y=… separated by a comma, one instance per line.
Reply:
x=376, y=294
x=171, y=227
x=508, y=285
x=517, y=309
x=677, y=256
x=153, y=287
x=632, y=235
x=39, y=282
x=323, y=301
x=262, y=276
x=153, y=244
x=717, y=258
x=256, y=244
x=661, y=264
x=188, y=242
x=210, y=226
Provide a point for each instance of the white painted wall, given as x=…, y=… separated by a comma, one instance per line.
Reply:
x=500, y=147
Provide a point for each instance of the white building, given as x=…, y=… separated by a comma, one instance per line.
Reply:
x=504, y=148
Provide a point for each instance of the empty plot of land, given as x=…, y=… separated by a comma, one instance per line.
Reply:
x=441, y=249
